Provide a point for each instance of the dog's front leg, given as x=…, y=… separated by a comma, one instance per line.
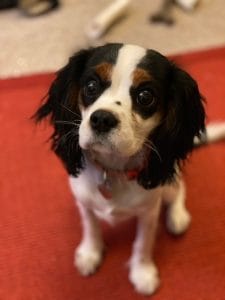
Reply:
x=143, y=272
x=88, y=255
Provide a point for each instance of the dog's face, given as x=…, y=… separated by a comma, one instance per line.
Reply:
x=118, y=103
x=118, y=100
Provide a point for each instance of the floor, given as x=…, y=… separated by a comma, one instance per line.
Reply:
x=42, y=44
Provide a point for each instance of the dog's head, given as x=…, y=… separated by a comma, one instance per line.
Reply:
x=121, y=100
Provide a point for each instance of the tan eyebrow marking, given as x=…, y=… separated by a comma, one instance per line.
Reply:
x=140, y=76
x=104, y=70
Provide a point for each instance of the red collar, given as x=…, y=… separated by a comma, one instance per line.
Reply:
x=129, y=174
x=105, y=187
x=132, y=174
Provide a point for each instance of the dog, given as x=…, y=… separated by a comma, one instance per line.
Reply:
x=125, y=118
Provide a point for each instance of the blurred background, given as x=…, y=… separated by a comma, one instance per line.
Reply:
x=43, y=43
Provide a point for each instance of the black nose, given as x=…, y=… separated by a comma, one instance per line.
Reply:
x=102, y=121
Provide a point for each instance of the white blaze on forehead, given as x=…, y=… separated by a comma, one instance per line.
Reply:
x=128, y=58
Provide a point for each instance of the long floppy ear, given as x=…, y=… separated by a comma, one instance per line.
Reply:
x=183, y=120
x=61, y=105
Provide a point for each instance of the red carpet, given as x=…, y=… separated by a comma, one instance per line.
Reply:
x=40, y=226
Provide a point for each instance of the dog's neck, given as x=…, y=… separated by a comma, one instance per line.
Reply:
x=112, y=168
x=115, y=163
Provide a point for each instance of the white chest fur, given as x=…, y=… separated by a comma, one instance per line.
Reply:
x=128, y=198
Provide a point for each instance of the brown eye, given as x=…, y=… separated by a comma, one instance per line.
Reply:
x=145, y=98
x=91, y=89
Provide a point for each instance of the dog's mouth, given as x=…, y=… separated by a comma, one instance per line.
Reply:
x=109, y=155
x=115, y=143
x=101, y=147
x=113, y=160
x=106, y=146
x=102, y=144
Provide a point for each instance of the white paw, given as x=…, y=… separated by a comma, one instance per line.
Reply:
x=144, y=277
x=88, y=259
x=178, y=220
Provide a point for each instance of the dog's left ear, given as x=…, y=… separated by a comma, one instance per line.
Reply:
x=186, y=115
x=184, y=118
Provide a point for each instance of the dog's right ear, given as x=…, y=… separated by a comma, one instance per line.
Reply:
x=61, y=105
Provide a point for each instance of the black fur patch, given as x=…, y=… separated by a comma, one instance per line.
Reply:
x=102, y=86
x=107, y=53
x=159, y=69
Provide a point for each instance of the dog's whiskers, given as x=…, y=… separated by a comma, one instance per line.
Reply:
x=67, y=122
x=151, y=146
x=72, y=112
x=66, y=136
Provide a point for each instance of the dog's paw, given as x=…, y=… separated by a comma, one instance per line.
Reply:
x=88, y=259
x=178, y=220
x=144, y=277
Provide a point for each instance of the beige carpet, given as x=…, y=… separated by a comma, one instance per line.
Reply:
x=44, y=43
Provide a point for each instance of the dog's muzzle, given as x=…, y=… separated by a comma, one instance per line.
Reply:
x=103, y=121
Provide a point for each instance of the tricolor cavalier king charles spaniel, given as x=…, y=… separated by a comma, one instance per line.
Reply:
x=125, y=118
